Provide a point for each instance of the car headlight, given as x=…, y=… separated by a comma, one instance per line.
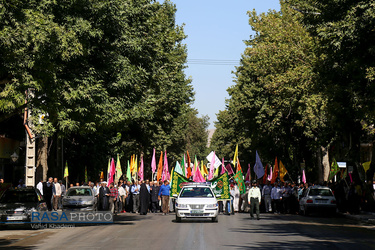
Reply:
x=181, y=205
x=212, y=205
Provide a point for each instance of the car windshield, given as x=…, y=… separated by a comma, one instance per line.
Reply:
x=79, y=192
x=320, y=192
x=196, y=192
x=19, y=196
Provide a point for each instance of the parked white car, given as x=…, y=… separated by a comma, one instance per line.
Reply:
x=317, y=199
x=196, y=200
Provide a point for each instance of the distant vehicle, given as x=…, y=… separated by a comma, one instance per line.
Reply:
x=196, y=200
x=79, y=198
x=17, y=204
x=317, y=199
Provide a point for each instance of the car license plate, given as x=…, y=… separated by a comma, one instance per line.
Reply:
x=321, y=201
x=196, y=211
x=15, y=218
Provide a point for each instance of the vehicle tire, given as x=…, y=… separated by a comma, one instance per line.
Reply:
x=215, y=219
x=178, y=219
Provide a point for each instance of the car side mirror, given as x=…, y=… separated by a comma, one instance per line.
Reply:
x=218, y=195
x=175, y=195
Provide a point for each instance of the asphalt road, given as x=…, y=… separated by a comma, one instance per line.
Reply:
x=155, y=231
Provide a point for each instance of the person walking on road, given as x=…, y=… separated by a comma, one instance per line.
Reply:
x=254, y=200
x=164, y=196
x=135, y=189
x=47, y=193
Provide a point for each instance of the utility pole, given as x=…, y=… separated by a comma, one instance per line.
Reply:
x=30, y=145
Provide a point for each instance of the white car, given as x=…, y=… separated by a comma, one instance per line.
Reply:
x=196, y=200
x=317, y=199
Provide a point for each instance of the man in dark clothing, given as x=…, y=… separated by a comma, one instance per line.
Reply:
x=47, y=193
x=104, y=197
x=144, y=198
x=154, y=197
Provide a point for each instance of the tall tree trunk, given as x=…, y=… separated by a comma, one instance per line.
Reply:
x=42, y=156
x=325, y=163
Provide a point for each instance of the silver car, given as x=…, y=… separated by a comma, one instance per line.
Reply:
x=317, y=199
x=79, y=198
x=17, y=204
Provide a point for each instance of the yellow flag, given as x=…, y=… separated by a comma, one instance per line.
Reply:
x=282, y=170
x=204, y=170
x=235, y=156
x=366, y=165
x=66, y=170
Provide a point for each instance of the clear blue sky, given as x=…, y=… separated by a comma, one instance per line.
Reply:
x=216, y=30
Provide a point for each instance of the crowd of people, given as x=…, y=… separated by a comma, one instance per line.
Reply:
x=53, y=191
x=133, y=197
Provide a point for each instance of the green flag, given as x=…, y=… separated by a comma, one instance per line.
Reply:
x=128, y=173
x=220, y=185
x=86, y=178
x=66, y=170
x=176, y=186
x=239, y=179
x=183, y=165
x=334, y=170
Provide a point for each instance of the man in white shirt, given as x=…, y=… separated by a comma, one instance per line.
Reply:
x=254, y=199
x=39, y=186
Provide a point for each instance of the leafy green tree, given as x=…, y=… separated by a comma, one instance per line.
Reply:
x=113, y=69
x=275, y=106
x=344, y=31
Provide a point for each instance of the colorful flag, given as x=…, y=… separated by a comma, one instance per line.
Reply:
x=269, y=178
x=265, y=174
x=258, y=168
x=275, y=172
x=239, y=179
x=238, y=165
x=212, y=167
x=177, y=180
x=153, y=162
x=141, y=170
x=66, y=170
x=128, y=172
x=366, y=166
x=183, y=165
x=198, y=177
x=204, y=171
x=86, y=178
x=118, y=169
x=235, y=156
x=165, y=175
x=229, y=168
x=196, y=164
x=222, y=167
x=282, y=172
x=303, y=176
x=248, y=175
x=189, y=163
x=220, y=186
x=334, y=170
x=111, y=171
x=178, y=168
x=160, y=166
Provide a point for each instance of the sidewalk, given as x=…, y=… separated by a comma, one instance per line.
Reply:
x=366, y=217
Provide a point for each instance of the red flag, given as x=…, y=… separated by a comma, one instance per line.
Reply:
x=229, y=169
x=238, y=165
x=222, y=167
x=248, y=177
x=265, y=175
